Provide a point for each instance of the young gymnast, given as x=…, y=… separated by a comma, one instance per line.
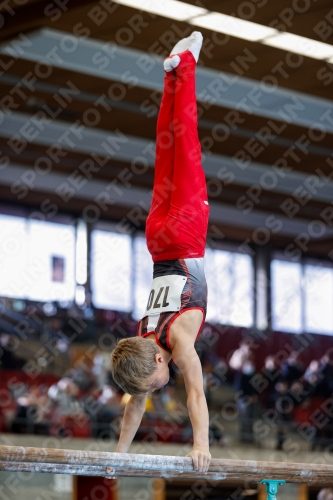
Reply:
x=176, y=232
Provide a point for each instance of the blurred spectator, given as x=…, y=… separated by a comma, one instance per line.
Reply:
x=82, y=377
x=213, y=378
x=69, y=417
x=240, y=355
x=89, y=399
x=8, y=360
x=101, y=365
x=271, y=370
x=272, y=373
x=221, y=372
x=325, y=369
x=283, y=408
x=169, y=400
x=32, y=411
x=313, y=380
x=247, y=401
x=65, y=395
x=292, y=368
x=312, y=372
x=103, y=408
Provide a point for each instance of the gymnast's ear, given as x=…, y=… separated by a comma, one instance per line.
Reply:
x=158, y=357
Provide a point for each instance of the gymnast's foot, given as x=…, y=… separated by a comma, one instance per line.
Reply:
x=192, y=43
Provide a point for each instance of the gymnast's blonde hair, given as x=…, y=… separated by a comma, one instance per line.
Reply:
x=132, y=362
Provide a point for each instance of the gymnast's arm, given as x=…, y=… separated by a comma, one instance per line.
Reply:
x=187, y=360
x=133, y=413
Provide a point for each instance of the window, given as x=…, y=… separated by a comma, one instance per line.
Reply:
x=286, y=279
x=143, y=276
x=230, y=280
x=111, y=270
x=51, y=261
x=36, y=259
x=14, y=280
x=318, y=299
x=302, y=296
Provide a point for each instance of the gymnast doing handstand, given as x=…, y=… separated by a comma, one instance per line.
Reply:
x=176, y=232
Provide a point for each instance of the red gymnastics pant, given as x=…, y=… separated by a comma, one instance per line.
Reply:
x=176, y=226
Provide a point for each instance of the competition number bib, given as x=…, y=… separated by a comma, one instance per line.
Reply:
x=165, y=294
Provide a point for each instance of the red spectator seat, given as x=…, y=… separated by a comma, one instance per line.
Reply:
x=76, y=428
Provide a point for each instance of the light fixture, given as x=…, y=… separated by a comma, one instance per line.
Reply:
x=173, y=9
x=233, y=26
x=300, y=45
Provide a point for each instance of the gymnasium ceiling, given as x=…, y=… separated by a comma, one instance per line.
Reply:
x=269, y=105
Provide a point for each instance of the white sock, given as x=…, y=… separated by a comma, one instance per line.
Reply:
x=171, y=63
x=192, y=43
x=196, y=40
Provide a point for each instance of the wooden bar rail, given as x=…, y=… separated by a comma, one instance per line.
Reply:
x=96, y=463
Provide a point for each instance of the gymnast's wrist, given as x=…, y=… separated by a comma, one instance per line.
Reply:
x=121, y=448
x=201, y=447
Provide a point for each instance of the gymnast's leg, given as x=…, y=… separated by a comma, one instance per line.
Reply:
x=164, y=163
x=189, y=203
x=177, y=222
x=164, y=160
x=188, y=178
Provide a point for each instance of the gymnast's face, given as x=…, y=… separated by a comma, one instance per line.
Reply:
x=161, y=375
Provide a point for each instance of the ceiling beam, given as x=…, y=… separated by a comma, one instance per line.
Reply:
x=129, y=149
x=101, y=194
x=213, y=87
x=132, y=107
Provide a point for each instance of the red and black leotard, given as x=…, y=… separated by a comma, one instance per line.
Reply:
x=194, y=296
